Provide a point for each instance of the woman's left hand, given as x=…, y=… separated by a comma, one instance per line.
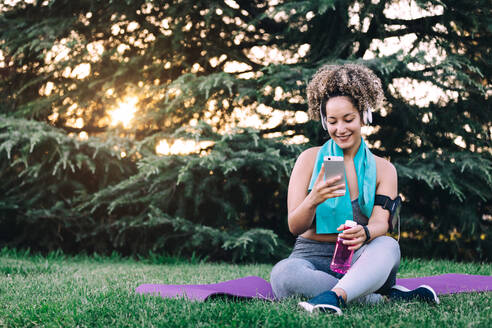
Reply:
x=354, y=237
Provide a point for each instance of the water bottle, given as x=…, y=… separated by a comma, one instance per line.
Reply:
x=342, y=258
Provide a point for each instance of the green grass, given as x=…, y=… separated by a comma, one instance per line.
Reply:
x=94, y=291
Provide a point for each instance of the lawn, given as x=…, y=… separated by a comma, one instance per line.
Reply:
x=93, y=291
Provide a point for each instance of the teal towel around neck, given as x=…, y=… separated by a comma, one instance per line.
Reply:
x=334, y=211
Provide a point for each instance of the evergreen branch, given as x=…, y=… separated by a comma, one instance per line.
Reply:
x=298, y=128
x=416, y=25
x=374, y=30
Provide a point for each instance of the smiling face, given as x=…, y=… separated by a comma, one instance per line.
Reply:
x=344, y=123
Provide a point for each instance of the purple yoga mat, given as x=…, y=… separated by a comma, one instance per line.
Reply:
x=247, y=287
x=256, y=287
x=450, y=283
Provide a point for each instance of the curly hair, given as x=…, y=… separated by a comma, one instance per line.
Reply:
x=353, y=80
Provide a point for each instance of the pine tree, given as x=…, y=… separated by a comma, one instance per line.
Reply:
x=194, y=67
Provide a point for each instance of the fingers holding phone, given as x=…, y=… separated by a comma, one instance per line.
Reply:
x=324, y=188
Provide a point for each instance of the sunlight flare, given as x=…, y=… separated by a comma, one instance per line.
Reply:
x=181, y=147
x=125, y=112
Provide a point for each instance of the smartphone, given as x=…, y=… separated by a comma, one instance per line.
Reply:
x=334, y=166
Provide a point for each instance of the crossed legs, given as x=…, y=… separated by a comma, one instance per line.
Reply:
x=374, y=268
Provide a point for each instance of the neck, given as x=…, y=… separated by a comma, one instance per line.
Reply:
x=350, y=153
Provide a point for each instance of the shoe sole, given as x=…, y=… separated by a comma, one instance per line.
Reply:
x=429, y=288
x=320, y=307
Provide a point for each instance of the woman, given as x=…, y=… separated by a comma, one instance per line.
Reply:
x=343, y=97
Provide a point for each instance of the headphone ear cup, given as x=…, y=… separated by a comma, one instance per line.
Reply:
x=367, y=116
x=323, y=118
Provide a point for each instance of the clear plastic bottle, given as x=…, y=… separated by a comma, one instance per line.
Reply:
x=342, y=258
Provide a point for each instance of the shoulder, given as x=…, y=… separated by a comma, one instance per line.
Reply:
x=301, y=174
x=308, y=156
x=305, y=161
x=385, y=169
x=310, y=153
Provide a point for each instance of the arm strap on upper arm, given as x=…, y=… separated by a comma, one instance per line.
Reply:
x=393, y=206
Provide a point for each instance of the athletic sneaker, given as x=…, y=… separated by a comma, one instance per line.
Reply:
x=423, y=292
x=327, y=302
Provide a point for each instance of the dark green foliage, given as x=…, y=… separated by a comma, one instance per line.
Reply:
x=44, y=175
x=230, y=196
x=59, y=203
x=228, y=200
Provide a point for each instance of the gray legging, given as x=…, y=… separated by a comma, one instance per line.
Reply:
x=307, y=271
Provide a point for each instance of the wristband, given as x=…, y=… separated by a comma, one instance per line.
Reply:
x=368, y=235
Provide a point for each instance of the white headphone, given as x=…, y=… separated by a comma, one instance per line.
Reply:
x=323, y=118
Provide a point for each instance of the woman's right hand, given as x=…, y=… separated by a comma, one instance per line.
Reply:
x=324, y=189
